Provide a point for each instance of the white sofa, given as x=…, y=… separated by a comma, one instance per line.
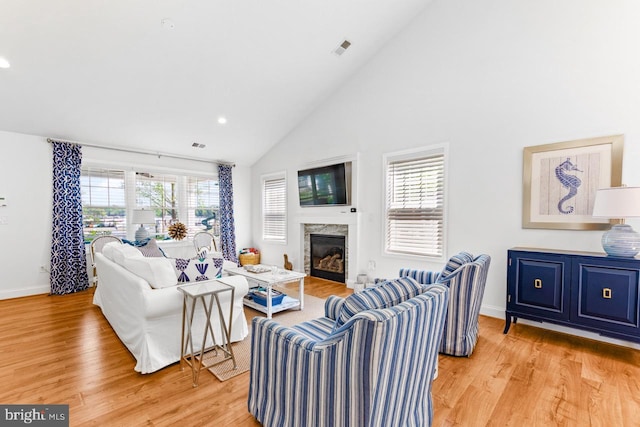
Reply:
x=148, y=320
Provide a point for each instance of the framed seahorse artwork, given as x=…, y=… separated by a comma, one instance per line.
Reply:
x=560, y=181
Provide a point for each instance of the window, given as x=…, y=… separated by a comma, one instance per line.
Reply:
x=159, y=193
x=203, y=204
x=415, y=200
x=274, y=208
x=108, y=194
x=103, y=203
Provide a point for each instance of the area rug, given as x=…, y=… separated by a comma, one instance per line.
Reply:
x=313, y=308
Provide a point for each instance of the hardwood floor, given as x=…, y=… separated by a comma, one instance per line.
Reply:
x=60, y=349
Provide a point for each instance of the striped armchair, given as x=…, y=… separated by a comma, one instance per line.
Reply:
x=466, y=277
x=372, y=367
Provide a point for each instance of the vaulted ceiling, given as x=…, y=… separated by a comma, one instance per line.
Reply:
x=157, y=75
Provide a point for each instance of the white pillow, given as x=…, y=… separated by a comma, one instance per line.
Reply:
x=124, y=251
x=109, y=248
x=157, y=271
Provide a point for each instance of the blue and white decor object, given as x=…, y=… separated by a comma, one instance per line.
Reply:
x=571, y=182
x=466, y=277
x=142, y=217
x=376, y=369
x=619, y=203
x=227, y=224
x=68, y=255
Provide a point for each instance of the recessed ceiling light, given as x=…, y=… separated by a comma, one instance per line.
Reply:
x=222, y=120
x=4, y=63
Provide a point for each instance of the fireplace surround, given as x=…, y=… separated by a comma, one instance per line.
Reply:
x=330, y=230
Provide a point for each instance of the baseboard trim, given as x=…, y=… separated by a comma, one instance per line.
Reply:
x=25, y=292
x=499, y=313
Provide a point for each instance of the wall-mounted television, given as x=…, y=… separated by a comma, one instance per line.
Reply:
x=325, y=185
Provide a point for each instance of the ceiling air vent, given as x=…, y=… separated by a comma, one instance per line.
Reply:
x=342, y=48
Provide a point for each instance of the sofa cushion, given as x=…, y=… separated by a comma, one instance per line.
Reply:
x=151, y=249
x=453, y=264
x=108, y=249
x=121, y=252
x=157, y=271
x=197, y=269
x=387, y=294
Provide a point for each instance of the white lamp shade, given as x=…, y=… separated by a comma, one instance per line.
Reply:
x=143, y=216
x=617, y=202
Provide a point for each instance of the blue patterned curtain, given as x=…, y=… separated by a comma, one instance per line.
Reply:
x=68, y=256
x=227, y=225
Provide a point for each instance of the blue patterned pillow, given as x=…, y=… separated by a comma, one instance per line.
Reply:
x=453, y=264
x=197, y=269
x=387, y=294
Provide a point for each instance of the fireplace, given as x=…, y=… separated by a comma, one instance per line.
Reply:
x=327, y=257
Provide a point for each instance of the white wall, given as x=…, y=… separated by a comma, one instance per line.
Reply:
x=488, y=77
x=25, y=239
x=25, y=180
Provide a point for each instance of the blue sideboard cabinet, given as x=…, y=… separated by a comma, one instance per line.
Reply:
x=582, y=290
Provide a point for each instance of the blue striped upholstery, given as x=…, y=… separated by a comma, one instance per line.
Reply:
x=454, y=263
x=467, y=283
x=317, y=329
x=332, y=306
x=421, y=276
x=375, y=370
x=387, y=294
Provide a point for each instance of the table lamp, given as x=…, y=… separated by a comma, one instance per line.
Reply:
x=142, y=217
x=619, y=203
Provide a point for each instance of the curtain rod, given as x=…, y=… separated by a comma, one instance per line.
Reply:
x=150, y=153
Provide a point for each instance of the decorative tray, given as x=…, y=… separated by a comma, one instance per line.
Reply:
x=257, y=268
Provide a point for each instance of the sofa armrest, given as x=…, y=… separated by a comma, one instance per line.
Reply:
x=424, y=277
x=332, y=307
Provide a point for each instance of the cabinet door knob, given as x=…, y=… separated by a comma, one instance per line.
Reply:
x=606, y=293
x=537, y=283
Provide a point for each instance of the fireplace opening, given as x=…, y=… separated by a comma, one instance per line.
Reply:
x=327, y=256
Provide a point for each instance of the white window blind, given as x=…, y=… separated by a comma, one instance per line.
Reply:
x=414, y=214
x=274, y=209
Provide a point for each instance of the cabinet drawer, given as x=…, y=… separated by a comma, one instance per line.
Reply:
x=540, y=284
x=607, y=295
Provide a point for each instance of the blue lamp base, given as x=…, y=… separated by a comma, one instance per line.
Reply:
x=621, y=241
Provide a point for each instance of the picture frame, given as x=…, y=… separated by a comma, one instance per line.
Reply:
x=560, y=181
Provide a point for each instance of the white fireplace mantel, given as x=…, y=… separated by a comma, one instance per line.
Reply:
x=342, y=218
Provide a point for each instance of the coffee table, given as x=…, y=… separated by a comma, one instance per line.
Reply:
x=268, y=280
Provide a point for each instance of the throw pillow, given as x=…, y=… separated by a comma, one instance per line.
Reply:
x=108, y=250
x=122, y=252
x=197, y=269
x=387, y=294
x=453, y=264
x=151, y=249
x=157, y=271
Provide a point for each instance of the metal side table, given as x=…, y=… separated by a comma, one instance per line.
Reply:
x=192, y=293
